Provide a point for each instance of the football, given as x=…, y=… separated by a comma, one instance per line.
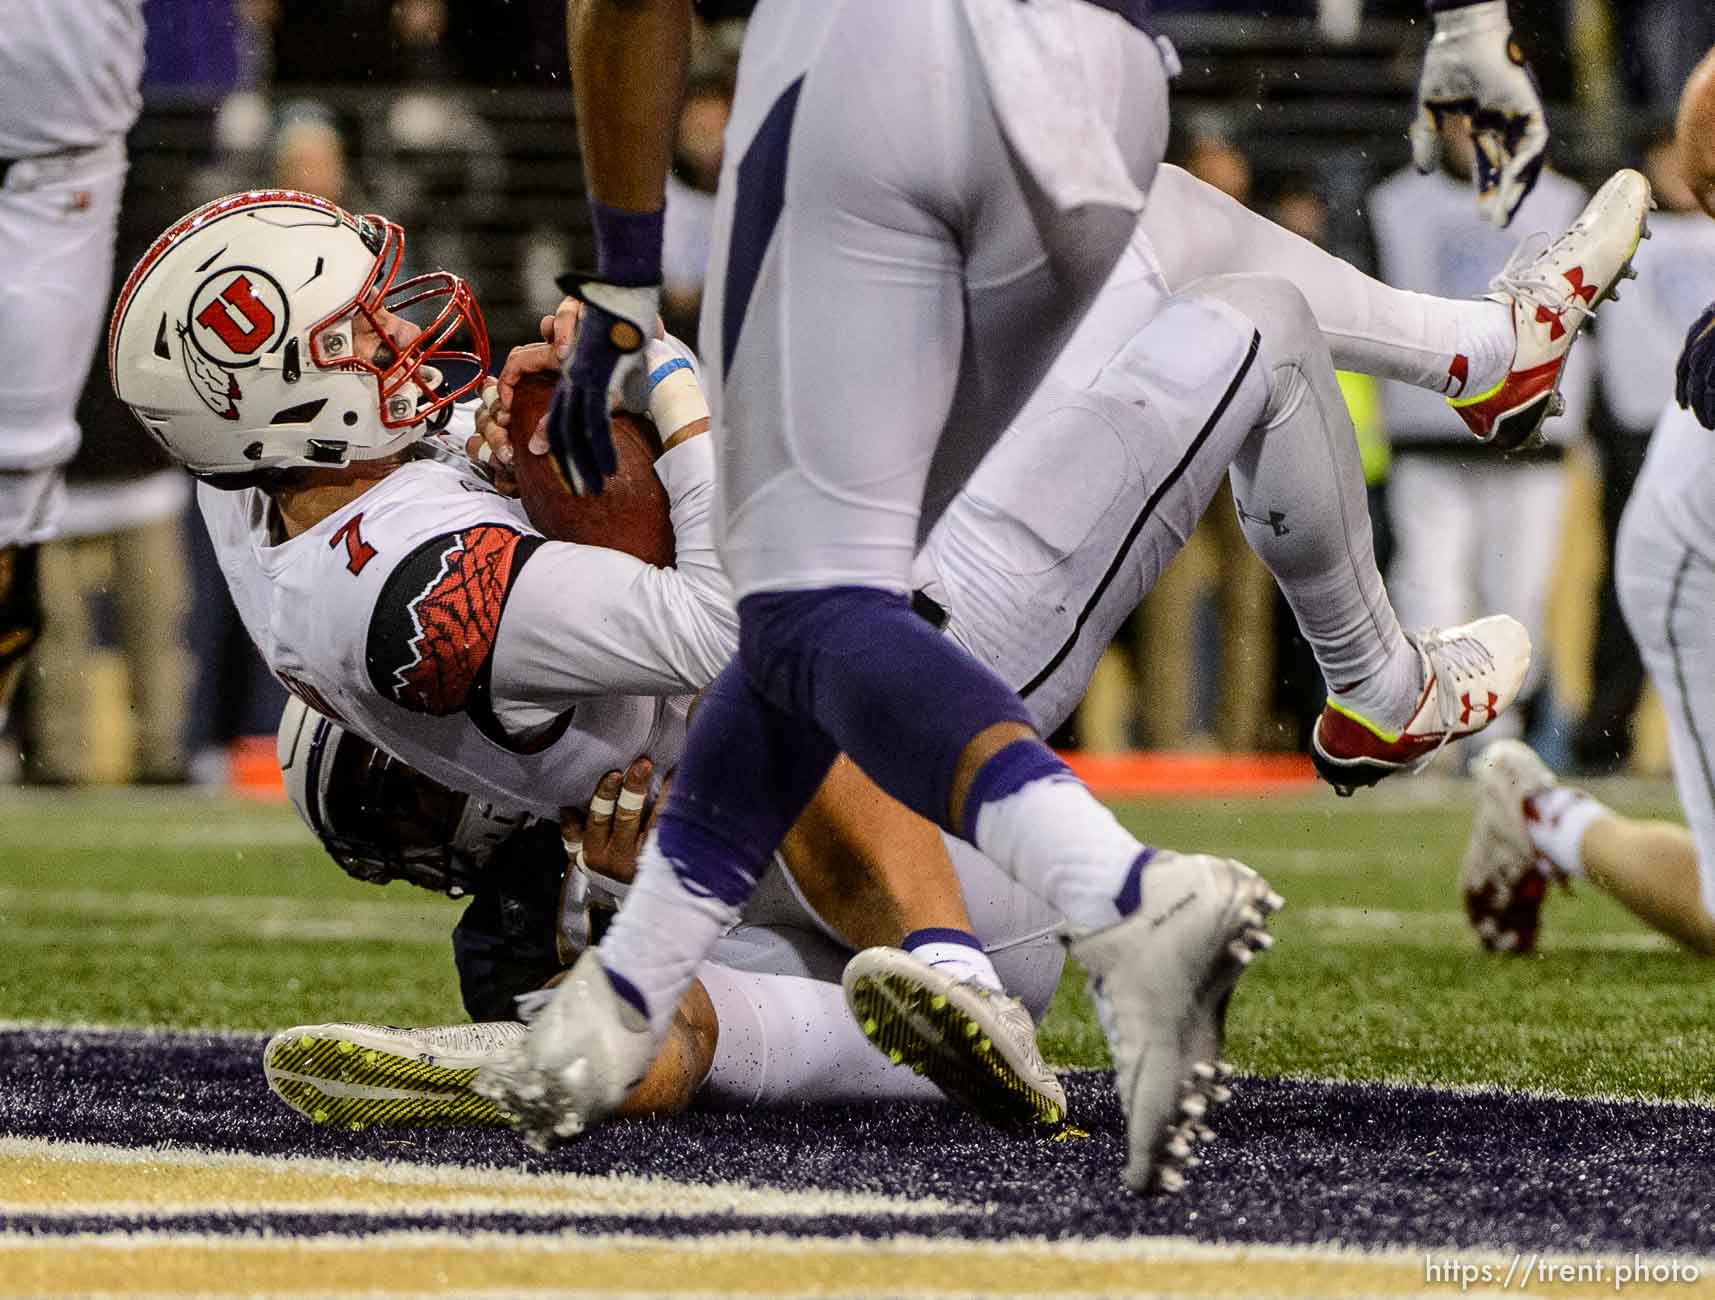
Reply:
x=631, y=514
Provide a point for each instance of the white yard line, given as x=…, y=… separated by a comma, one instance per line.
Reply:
x=267, y=917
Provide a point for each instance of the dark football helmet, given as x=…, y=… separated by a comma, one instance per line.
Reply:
x=380, y=819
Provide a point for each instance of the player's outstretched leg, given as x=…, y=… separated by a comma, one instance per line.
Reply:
x=947, y=738
x=1531, y=832
x=1298, y=486
x=1498, y=358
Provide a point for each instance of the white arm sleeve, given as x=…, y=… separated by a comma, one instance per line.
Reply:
x=584, y=621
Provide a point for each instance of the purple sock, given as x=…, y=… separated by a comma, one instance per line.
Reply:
x=898, y=697
x=627, y=243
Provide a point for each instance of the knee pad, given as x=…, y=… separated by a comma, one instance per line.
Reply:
x=781, y=635
x=1275, y=306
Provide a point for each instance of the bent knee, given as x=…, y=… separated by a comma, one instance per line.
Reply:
x=1274, y=304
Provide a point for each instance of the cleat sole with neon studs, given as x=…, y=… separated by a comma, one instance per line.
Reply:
x=977, y=1046
x=357, y=1076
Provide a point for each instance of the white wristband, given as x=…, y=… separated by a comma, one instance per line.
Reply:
x=675, y=397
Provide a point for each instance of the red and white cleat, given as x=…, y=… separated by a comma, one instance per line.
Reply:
x=1504, y=878
x=1471, y=673
x=1552, y=289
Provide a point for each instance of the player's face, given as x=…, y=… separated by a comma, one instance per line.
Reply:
x=380, y=342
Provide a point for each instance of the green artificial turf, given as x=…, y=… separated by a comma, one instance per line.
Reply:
x=148, y=909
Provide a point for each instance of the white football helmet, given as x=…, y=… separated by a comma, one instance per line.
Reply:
x=237, y=341
x=380, y=819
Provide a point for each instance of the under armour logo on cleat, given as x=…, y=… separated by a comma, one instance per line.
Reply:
x=1575, y=278
x=1468, y=708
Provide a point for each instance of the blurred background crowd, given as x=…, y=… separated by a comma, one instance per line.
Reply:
x=453, y=117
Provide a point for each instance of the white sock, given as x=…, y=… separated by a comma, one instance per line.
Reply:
x=1389, y=696
x=662, y=934
x=1487, y=340
x=1371, y=327
x=1054, y=838
x=1556, y=821
x=956, y=952
x=786, y=1040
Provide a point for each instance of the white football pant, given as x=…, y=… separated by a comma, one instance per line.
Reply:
x=1664, y=568
x=902, y=281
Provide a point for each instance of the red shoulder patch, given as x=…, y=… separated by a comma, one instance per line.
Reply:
x=434, y=625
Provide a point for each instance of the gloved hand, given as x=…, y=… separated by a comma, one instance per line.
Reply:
x=606, y=360
x=1474, y=68
x=1694, y=379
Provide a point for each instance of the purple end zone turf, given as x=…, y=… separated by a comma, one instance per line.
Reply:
x=1295, y=1162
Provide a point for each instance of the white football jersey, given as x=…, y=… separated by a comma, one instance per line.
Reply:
x=404, y=616
x=69, y=73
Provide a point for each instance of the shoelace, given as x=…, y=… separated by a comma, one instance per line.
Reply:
x=1523, y=277
x=1450, y=660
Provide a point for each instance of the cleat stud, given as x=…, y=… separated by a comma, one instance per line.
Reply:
x=1178, y=1148
x=970, y=1029
x=318, y=1116
x=305, y=1041
x=1223, y=1069
x=1251, y=917
x=896, y=1056
x=1191, y=1162
x=1241, y=954
x=938, y=1002
x=1194, y=1106
x=372, y=1057
x=1273, y=903
x=984, y=1047
x=1169, y=1180
x=1203, y=1072
x=1220, y=1096
x=1261, y=940
x=346, y=1049
x=1203, y=1133
x=869, y=1027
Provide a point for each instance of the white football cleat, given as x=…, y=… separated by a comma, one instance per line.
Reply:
x=1471, y=674
x=583, y=1054
x=978, y=1046
x=1161, y=980
x=1551, y=290
x=355, y=1076
x=1504, y=879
